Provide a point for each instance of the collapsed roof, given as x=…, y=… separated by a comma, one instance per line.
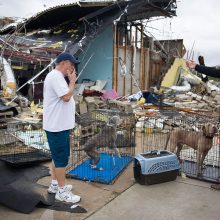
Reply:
x=71, y=26
x=77, y=12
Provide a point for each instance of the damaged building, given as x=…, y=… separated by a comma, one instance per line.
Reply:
x=108, y=37
x=121, y=62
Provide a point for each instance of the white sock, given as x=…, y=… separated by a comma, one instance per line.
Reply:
x=61, y=189
x=54, y=182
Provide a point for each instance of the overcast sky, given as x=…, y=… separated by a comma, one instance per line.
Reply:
x=197, y=22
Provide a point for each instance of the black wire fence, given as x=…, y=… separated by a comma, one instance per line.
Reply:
x=23, y=143
x=184, y=133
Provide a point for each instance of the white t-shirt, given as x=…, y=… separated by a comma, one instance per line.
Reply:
x=57, y=114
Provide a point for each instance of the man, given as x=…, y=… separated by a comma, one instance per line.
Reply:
x=209, y=71
x=58, y=119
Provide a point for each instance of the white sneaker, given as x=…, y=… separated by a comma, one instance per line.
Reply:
x=54, y=188
x=67, y=196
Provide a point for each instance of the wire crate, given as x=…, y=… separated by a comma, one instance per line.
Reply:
x=23, y=143
x=156, y=135
x=113, y=148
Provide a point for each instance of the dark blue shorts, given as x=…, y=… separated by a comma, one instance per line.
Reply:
x=59, y=143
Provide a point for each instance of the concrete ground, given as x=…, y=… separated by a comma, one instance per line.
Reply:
x=182, y=199
x=93, y=197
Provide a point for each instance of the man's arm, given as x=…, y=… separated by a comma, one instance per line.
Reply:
x=209, y=71
x=72, y=80
x=68, y=96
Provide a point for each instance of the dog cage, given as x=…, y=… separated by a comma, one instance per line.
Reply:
x=23, y=143
x=101, y=148
x=162, y=133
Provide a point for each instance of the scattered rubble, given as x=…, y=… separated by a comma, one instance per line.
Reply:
x=178, y=89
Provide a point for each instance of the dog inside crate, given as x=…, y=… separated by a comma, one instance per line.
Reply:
x=103, y=141
x=194, y=139
x=105, y=137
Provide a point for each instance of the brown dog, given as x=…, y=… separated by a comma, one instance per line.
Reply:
x=200, y=141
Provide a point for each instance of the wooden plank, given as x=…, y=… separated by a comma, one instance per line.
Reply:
x=115, y=58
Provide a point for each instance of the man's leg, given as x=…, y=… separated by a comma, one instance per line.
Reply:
x=58, y=179
x=54, y=184
x=60, y=174
x=64, y=191
x=56, y=141
x=60, y=151
x=53, y=174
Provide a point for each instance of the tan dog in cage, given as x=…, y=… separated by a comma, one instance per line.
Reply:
x=201, y=141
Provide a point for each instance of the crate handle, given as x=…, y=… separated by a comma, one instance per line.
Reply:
x=155, y=152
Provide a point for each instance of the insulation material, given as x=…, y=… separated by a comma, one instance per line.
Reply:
x=184, y=88
x=173, y=74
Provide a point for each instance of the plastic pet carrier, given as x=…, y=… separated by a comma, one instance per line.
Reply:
x=155, y=167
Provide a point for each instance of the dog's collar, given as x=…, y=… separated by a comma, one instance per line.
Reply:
x=209, y=137
x=110, y=125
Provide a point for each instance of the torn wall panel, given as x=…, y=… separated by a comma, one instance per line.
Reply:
x=126, y=83
x=100, y=67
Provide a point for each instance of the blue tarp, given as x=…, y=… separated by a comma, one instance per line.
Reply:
x=111, y=166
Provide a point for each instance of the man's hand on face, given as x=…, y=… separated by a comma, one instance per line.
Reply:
x=71, y=73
